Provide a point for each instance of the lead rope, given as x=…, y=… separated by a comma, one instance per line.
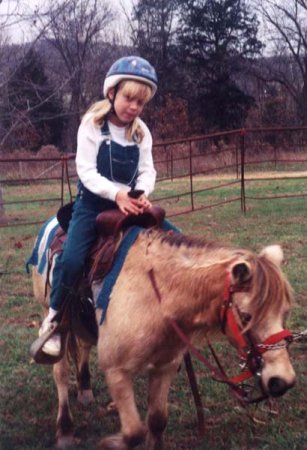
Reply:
x=196, y=395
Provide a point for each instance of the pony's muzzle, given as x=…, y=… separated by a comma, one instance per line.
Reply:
x=278, y=386
x=278, y=375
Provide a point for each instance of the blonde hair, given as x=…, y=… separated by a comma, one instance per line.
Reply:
x=101, y=109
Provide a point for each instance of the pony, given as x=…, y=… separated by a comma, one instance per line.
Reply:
x=170, y=281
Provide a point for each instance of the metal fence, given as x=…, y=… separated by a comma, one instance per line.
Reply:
x=206, y=163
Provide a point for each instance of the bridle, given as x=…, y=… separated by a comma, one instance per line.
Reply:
x=249, y=351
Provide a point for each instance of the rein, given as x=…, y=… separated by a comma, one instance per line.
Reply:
x=215, y=372
x=247, y=349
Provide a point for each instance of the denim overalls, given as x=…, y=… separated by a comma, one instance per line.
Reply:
x=117, y=163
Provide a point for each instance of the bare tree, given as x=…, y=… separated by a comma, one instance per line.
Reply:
x=152, y=30
x=76, y=30
x=15, y=16
x=9, y=16
x=286, y=31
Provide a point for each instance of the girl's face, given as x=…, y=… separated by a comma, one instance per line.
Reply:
x=130, y=100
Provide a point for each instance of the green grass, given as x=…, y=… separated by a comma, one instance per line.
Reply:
x=28, y=402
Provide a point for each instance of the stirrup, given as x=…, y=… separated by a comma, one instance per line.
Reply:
x=36, y=351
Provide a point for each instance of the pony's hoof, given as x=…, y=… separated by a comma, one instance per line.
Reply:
x=154, y=443
x=64, y=442
x=111, y=407
x=85, y=397
x=115, y=442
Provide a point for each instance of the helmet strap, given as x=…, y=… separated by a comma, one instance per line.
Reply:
x=112, y=100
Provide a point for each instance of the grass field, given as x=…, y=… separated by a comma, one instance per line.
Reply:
x=28, y=400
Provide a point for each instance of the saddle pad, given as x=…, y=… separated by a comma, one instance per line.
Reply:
x=39, y=256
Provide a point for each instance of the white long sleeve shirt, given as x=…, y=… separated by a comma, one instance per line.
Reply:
x=88, y=144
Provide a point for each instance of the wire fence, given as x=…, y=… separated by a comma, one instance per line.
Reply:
x=207, y=163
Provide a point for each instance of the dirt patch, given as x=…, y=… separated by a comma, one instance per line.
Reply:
x=260, y=175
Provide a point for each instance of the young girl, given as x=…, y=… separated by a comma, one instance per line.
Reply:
x=114, y=156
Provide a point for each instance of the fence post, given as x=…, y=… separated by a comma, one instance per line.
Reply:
x=62, y=179
x=191, y=175
x=166, y=159
x=66, y=159
x=3, y=219
x=243, y=204
x=237, y=160
x=172, y=164
x=20, y=165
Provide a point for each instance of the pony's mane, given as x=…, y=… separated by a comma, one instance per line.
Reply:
x=270, y=290
x=197, y=247
x=179, y=239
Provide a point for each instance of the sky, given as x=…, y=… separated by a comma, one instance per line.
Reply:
x=11, y=24
x=19, y=31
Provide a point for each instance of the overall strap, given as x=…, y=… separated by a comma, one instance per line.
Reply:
x=105, y=131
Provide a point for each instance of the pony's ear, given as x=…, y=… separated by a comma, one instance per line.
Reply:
x=274, y=253
x=240, y=272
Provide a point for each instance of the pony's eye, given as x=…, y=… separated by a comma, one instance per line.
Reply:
x=245, y=317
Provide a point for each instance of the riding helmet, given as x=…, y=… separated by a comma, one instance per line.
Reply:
x=131, y=68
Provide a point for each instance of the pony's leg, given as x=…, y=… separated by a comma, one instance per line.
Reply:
x=132, y=429
x=159, y=385
x=85, y=393
x=64, y=424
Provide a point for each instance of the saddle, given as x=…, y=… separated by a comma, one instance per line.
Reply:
x=111, y=226
x=77, y=313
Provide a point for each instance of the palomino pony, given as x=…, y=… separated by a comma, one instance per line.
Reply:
x=171, y=281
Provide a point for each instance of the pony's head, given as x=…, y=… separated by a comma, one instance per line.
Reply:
x=234, y=290
x=257, y=300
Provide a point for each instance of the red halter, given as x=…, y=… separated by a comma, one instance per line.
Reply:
x=247, y=349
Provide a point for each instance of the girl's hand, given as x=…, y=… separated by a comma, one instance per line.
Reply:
x=144, y=201
x=129, y=205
